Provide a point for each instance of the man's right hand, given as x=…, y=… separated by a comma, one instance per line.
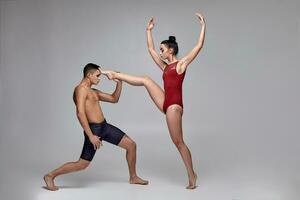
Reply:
x=95, y=140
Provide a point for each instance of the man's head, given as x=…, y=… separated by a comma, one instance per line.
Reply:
x=92, y=72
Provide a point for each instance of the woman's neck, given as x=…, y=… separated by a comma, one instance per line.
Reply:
x=172, y=59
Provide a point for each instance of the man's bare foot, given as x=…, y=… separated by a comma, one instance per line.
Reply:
x=138, y=180
x=192, y=183
x=50, y=183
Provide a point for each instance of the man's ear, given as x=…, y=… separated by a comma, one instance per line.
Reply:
x=88, y=74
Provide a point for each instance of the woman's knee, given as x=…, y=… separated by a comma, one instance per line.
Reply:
x=147, y=80
x=174, y=109
x=178, y=143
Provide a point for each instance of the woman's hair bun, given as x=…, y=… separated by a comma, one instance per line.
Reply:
x=172, y=38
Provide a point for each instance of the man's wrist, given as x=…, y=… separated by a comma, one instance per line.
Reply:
x=90, y=135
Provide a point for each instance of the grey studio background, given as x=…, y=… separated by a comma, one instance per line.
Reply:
x=241, y=98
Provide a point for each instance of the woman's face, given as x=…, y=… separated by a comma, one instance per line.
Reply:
x=164, y=51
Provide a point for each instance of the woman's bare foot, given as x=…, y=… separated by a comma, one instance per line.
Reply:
x=192, y=183
x=138, y=180
x=110, y=74
x=50, y=183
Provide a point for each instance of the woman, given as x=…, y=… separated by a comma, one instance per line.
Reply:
x=169, y=101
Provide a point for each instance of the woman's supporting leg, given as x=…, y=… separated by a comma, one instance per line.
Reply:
x=174, y=121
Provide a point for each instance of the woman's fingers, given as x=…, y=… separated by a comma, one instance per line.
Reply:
x=200, y=16
x=151, y=22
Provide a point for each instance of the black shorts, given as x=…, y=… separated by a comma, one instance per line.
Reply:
x=106, y=132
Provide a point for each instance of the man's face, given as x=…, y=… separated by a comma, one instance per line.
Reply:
x=95, y=77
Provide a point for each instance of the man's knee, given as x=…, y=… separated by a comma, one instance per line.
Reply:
x=131, y=145
x=83, y=164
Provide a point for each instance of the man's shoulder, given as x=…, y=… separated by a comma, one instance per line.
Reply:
x=80, y=89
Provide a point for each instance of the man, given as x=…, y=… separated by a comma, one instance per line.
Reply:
x=96, y=128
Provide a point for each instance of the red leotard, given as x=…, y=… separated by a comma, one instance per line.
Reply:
x=173, y=86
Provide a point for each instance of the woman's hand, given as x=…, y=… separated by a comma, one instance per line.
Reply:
x=201, y=18
x=150, y=24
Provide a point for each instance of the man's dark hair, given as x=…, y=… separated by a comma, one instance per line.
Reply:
x=90, y=67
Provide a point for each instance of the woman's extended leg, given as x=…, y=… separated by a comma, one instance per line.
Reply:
x=174, y=121
x=155, y=92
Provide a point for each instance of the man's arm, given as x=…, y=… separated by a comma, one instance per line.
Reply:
x=114, y=97
x=80, y=97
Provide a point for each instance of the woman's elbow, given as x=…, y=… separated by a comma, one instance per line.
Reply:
x=151, y=50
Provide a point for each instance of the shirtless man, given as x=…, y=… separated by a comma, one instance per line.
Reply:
x=96, y=128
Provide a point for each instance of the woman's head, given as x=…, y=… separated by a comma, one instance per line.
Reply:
x=168, y=47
